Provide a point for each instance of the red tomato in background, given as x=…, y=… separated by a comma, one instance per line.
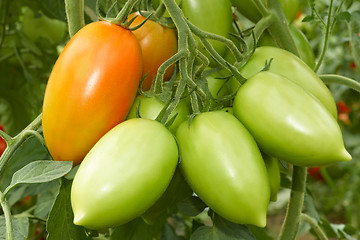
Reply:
x=158, y=44
x=91, y=89
x=2, y=141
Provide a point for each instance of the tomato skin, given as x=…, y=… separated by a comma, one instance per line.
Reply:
x=290, y=66
x=158, y=44
x=273, y=170
x=150, y=107
x=249, y=10
x=90, y=89
x=201, y=14
x=302, y=43
x=2, y=141
x=287, y=122
x=116, y=182
x=223, y=165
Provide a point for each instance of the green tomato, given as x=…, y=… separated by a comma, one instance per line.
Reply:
x=223, y=165
x=150, y=107
x=273, y=170
x=124, y=174
x=287, y=122
x=290, y=66
x=249, y=10
x=305, y=51
x=42, y=26
x=214, y=16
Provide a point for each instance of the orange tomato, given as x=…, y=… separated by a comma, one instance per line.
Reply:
x=91, y=89
x=158, y=44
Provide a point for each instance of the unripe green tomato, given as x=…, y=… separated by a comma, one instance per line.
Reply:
x=249, y=10
x=305, y=51
x=150, y=107
x=223, y=165
x=214, y=16
x=124, y=174
x=290, y=66
x=287, y=122
x=273, y=170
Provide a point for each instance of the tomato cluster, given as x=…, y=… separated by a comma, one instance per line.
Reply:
x=93, y=115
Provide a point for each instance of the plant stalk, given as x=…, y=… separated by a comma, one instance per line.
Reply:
x=75, y=15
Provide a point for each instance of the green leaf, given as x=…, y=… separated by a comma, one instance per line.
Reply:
x=222, y=230
x=60, y=222
x=191, y=206
x=138, y=229
x=20, y=228
x=39, y=172
x=338, y=231
x=343, y=16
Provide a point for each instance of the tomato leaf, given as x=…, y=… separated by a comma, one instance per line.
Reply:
x=60, y=222
x=39, y=172
x=191, y=206
x=343, y=16
x=20, y=228
x=222, y=229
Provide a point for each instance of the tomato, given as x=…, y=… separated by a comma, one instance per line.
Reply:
x=201, y=13
x=124, y=174
x=91, y=89
x=287, y=122
x=249, y=10
x=273, y=170
x=305, y=50
x=2, y=141
x=315, y=173
x=150, y=107
x=37, y=26
x=158, y=44
x=223, y=165
x=290, y=66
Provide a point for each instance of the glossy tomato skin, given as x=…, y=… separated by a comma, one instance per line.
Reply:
x=287, y=122
x=273, y=170
x=90, y=89
x=249, y=10
x=214, y=16
x=290, y=66
x=124, y=174
x=150, y=107
x=158, y=44
x=223, y=165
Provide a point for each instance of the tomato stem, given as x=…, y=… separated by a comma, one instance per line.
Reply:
x=7, y=214
x=75, y=15
x=320, y=233
x=291, y=223
x=334, y=78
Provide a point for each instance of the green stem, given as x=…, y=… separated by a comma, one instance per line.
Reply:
x=14, y=143
x=319, y=232
x=333, y=78
x=327, y=34
x=75, y=15
x=7, y=214
x=291, y=223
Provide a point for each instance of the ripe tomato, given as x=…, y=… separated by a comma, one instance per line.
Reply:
x=124, y=174
x=214, y=16
x=158, y=44
x=287, y=122
x=223, y=165
x=2, y=141
x=90, y=89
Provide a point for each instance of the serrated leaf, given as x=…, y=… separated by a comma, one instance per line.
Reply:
x=60, y=222
x=223, y=230
x=20, y=228
x=39, y=172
